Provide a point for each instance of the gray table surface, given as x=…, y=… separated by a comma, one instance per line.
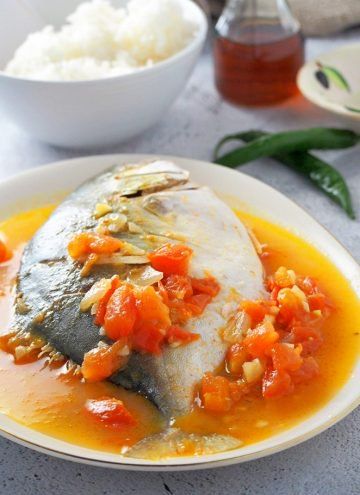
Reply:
x=327, y=464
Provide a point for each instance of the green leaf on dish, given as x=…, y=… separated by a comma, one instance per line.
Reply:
x=335, y=77
x=352, y=109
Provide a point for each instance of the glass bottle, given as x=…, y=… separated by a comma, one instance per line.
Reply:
x=258, y=51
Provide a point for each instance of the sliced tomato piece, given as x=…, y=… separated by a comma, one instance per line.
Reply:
x=307, y=285
x=176, y=336
x=260, y=340
x=307, y=371
x=276, y=384
x=85, y=243
x=110, y=411
x=235, y=358
x=316, y=301
x=215, y=393
x=290, y=306
x=121, y=314
x=148, y=338
x=286, y=358
x=309, y=337
x=255, y=310
x=178, y=286
x=180, y=312
x=171, y=259
x=101, y=308
x=197, y=303
x=151, y=308
x=5, y=253
x=102, y=362
x=206, y=285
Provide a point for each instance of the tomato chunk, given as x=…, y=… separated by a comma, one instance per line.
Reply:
x=235, y=358
x=110, y=411
x=102, y=304
x=286, y=358
x=5, y=253
x=317, y=301
x=120, y=315
x=151, y=308
x=178, y=286
x=177, y=336
x=255, y=310
x=307, y=371
x=171, y=259
x=102, y=362
x=148, y=337
x=197, y=303
x=309, y=337
x=276, y=384
x=215, y=393
x=85, y=243
x=259, y=341
x=206, y=285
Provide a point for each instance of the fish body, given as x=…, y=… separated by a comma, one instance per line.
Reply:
x=160, y=205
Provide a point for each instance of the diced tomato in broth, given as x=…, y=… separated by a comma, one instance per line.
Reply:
x=171, y=259
x=215, y=393
x=121, y=313
x=102, y=303
x=259, y=341
x=307, y=371
x=102, y=362
x=255, y=309
x=235, y=358
x=148, y=338
x=286, y=358
x=206, y=285
x=110, y=411
x=85, y=243
x=178, y=286
x=176, y=336
x=276, y=384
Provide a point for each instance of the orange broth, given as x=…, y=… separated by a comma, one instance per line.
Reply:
x=44, y=398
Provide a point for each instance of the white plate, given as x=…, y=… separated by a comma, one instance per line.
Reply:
x=40, y=185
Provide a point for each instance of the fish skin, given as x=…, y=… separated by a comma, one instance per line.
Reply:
x=168, y=207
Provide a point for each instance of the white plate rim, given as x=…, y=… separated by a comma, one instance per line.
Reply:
x=10, y=428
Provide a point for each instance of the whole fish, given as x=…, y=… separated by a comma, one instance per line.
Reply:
x=149, y=204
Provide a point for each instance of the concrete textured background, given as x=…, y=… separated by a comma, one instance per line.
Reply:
x=326, y=465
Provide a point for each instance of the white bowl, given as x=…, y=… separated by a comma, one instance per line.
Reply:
x=332, y=82
x=89, y=114
x=41, y=185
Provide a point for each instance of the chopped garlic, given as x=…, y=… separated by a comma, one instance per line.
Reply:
x=101, y=209
x=299, y=293
x=253, y=370
x=144, y=276
x=96, y=292
x=317, y=312
x=134, y=228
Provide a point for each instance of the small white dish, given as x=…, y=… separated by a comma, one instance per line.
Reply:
x=44, y=184
x=95, y=113
x=332, y=81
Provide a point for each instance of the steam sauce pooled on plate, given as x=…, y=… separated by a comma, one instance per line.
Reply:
x=44, y=398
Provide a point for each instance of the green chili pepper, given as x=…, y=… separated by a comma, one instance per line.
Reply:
x=323, y=175
x=318, y=138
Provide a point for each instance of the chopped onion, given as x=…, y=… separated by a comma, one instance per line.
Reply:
x=144, y=276
x=253, y=370
x=129, y=248
x=97, y=291
x=119, y=259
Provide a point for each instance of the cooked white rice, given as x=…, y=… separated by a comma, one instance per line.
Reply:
x=101, y=41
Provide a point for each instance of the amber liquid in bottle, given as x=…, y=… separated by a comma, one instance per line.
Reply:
x=258, y=66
